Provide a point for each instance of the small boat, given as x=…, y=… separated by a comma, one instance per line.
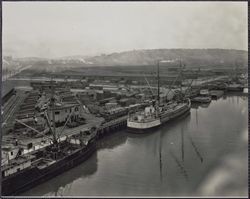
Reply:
x=235, y=87
x=216, y=93
x=245, y=91
x=202, y=99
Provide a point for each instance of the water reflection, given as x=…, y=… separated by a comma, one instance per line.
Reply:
x=64, y=183
x=200, y=105
x=196, y=149
x=182, y=144
x=111, y=141
x=61, y=185
x=160, y=161
x=179, y=164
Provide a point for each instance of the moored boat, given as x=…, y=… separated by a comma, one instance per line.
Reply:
x=27, y=171
x=216, y=93
x=245, y=91
x=235, y=87
x=23, y=170
x=201, y=99
x=155, y=115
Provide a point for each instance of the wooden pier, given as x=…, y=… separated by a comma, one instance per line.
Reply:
x=112, y=126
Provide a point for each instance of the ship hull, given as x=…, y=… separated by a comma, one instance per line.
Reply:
x=141, y=126
x=201, y=101
x=239, y=89
x=163, y=119
x=166, y=118
x=29, y=178
x=142, y=131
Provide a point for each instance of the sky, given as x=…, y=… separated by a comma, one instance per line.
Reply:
x=57, y=29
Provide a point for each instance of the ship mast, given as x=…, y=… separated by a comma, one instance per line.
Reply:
x=56, y=135
x=180, y=75
x=53, y=112
x=158, y=78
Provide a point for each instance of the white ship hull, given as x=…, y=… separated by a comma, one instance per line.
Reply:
x=140, y=127
x=143, y=125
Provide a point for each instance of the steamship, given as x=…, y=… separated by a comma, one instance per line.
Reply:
x=157, y=114
x=22, y=171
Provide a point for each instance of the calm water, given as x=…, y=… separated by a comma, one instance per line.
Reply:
x=203, y=153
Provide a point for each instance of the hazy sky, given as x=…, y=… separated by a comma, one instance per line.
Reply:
x=53, y=29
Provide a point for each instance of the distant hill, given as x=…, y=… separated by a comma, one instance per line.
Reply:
x=203, y=58
x=191, y=57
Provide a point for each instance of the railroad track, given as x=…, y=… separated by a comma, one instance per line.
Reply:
x=11, y=107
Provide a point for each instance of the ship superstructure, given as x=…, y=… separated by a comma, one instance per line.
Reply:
x=158, y=113
x=22, y=170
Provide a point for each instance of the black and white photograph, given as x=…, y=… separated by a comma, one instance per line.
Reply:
x=124, y=99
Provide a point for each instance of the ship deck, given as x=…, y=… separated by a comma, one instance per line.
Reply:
x=41, y=142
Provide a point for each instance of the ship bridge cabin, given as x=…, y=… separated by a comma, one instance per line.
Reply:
x=63, y=111
x=16, y=165
x=9, y=152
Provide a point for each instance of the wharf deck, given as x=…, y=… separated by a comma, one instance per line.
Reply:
x=111, y=126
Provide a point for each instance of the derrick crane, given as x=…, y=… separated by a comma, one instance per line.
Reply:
x=56, y=136
x=148, y=84
x=33, y=129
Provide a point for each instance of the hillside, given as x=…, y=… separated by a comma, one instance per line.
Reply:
x=191, y=57
x=136, y=60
